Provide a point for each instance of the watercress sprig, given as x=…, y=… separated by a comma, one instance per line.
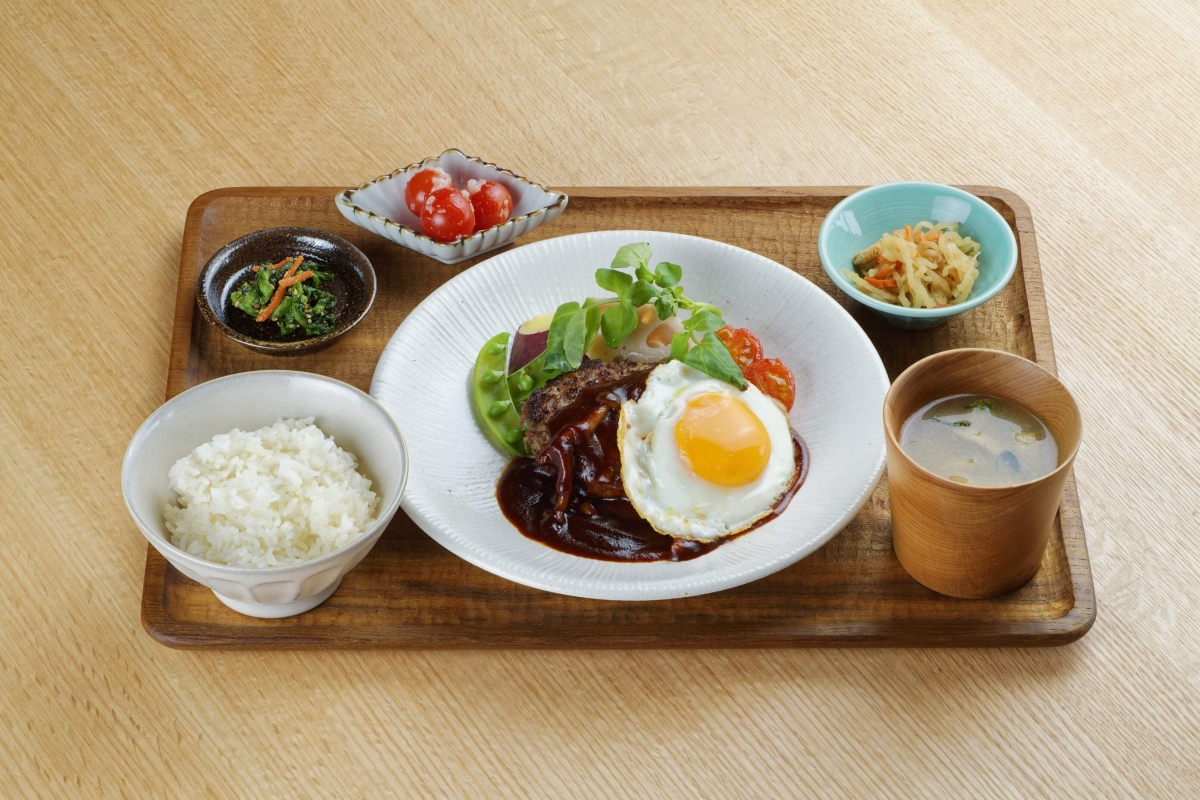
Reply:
x=660, y=287
x=571, y=332
x=575, y=325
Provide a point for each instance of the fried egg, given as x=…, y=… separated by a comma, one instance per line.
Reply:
x=701, y=459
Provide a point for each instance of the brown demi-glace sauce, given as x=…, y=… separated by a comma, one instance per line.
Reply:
x=583, y=463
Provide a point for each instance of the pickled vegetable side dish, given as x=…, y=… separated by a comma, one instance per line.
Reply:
x=289, y=297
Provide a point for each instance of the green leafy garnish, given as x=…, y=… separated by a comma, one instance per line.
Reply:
x=667, y=274
x=565, y=343
x=618, y=322
x=575, y=325
x=571, y=332
x=712, y=357
x=703, y=321
x=632, y=255
x=680, y=343
x=614, y=281
x=660, y=287
x=642, y=293
x=982, y=404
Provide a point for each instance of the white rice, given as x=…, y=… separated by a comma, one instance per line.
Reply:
x=276, y=496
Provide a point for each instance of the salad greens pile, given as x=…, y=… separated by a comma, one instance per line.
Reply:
x=304, y=305
x=575, y=325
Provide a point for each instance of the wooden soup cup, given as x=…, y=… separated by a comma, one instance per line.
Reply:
x=975, y=541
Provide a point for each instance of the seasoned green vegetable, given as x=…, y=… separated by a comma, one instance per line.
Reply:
x=299, y=304
x=492, y=398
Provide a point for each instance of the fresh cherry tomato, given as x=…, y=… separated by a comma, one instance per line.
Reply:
x=492, y=202
x=447, y=215
x=774, y=379
x=743, y=345
x=417, y=190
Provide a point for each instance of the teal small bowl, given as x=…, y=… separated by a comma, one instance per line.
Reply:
x=857, y=222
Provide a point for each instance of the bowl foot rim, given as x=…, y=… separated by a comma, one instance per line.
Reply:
x=279, y=610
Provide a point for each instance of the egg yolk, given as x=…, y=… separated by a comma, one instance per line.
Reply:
x=721, y=440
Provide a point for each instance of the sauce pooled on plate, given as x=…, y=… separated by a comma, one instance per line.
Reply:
x=575, y=502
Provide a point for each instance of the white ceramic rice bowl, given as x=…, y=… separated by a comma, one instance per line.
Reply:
x=249, y=401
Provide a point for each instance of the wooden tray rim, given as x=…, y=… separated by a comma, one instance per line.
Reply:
x=184, y=361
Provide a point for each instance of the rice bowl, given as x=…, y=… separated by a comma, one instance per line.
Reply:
x=279, y=495
x=249, y=401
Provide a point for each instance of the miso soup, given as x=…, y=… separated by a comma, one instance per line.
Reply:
x=980, y=440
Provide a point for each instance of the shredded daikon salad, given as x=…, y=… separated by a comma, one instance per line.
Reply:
x=925, y=265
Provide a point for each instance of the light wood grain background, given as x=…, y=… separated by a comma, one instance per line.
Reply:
x=113, y=117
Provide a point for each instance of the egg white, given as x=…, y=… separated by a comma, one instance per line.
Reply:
x=659, y=484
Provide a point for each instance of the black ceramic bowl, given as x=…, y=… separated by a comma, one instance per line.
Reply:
x=353, y=285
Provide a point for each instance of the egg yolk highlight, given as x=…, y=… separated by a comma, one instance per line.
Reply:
x=721, y=440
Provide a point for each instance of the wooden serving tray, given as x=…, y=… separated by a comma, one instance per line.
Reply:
x=410, y=592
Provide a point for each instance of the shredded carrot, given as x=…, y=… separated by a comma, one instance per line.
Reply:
x=299, y=277
x=271, y=306
x=277, y=298
x=890, y=283
x=932, y=236
x=885, y=270
x=271, y=267
x=908, y=236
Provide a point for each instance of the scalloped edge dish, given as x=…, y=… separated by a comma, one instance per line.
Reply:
x=378, y=205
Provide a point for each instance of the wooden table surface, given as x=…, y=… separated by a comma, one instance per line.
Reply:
x=113, y=118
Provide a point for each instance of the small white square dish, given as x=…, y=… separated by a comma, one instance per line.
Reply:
x=379, y=206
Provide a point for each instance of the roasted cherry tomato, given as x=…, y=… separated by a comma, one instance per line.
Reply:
x=448, y=215
x=417, y=190
x=774, y=379
x=492, y=202
x=743, y=345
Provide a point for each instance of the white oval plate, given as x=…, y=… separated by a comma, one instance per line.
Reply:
x=423, y=380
